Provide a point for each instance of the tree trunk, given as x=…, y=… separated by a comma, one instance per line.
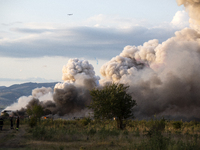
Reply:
x=120, y=124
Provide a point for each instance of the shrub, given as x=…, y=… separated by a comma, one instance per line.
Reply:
x=125, y=132
x=42, y=133
x=157, y=127
x=177, y=124
x=39, y=132
x=92, y=131
x=85, y=121
x=32, y=122
x=137, y=132
x=103, y=133
x=158, y=141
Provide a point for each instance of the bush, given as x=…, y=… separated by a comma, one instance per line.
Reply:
x=103, y=133
x=125, y=132
x=38, y=132
x=177, y=124
x=43, y=133
x=157, y=127
x=85, y=121
x=92, y=131
x=33, y=122
x=158, y=141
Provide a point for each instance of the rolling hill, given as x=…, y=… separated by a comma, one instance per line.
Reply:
x=9, y=95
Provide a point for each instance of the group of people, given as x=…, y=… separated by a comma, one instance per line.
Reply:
x=11, y=123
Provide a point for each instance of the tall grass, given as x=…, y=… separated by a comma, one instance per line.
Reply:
x=140, y=135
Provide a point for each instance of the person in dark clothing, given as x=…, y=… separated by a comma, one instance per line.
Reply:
x=17, y=123
x=1, y=123
x=11, y=122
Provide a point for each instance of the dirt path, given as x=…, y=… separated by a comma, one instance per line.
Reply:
x=12, y=138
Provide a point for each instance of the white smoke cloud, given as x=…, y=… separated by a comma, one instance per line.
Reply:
x=193, y=8
x=42, y=94
x=76, y=67
x=130, y=60
x=22, y=102
x=76, y=71
x=180, y=20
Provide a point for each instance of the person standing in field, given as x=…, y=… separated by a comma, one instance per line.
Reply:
x=1, y=123
x=11, y=122
x=17, y=123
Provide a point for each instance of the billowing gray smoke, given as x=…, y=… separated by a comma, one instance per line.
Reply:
x=69, y=97
x=73, y=95
x=164, y=78
x=43, y=95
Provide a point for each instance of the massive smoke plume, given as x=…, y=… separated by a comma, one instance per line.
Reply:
x=164, y=78
x=73, y=95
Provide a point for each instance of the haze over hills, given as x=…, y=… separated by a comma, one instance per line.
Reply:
x=9, y=95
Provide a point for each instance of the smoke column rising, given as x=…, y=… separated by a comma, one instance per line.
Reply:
x=164, y=78
x=70, y=97
x=73, y=95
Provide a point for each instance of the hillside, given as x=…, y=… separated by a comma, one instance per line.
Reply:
x=10, y=94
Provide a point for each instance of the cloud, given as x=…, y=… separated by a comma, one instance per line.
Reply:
x=78, y=41
x=115, y=20
x=101, y=36
x=34, y=79
x=30, y=31
x=11, y=24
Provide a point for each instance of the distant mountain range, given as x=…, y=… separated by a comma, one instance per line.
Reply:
x=9, y=95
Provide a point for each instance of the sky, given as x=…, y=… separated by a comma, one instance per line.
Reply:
x=37, y=38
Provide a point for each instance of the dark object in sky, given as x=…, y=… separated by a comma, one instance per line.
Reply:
x=69, y=14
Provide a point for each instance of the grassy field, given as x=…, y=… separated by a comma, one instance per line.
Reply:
x=86, y=134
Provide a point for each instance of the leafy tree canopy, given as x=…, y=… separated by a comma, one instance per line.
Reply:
x=36, y=111
x=112, y=101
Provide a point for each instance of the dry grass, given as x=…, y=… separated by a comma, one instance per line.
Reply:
x=88, y=134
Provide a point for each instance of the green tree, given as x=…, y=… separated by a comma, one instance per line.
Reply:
x=35, y=111
x=112, y=101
